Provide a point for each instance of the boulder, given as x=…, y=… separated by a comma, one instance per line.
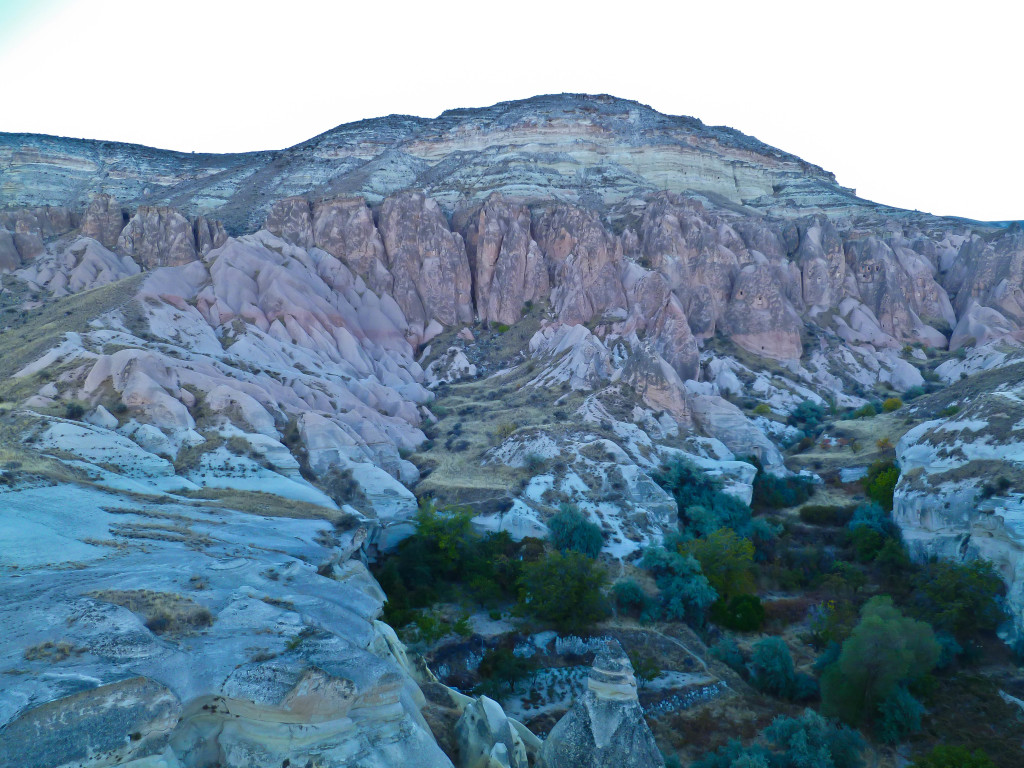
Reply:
x=605, y=727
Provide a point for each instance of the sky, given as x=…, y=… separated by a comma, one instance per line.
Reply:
x=913, y=104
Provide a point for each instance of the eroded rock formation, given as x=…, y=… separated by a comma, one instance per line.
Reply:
x=605, y=727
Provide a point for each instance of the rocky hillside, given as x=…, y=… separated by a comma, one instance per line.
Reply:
x=242, y=371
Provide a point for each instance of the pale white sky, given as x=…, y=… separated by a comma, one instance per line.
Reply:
x=915, y=104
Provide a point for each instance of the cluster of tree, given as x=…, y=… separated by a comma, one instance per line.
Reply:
x=705, y=508
x=446, y=560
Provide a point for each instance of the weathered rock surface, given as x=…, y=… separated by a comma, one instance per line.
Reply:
x=487, y=739
x=345, y=229
x=84, y=264
x=507, y=264
x=158, y=236
x=103, y=220
x=584, y=262
x=606, y=727
x=258, y=659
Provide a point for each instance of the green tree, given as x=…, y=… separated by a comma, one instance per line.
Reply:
x=960, y=598
x=726, y=559
x=502, y=667
x=645, y=668
x=743, y=613
x=566, y=591
x=570, y=530
x=884, y=650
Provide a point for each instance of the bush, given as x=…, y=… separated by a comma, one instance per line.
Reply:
x=728, y=652
x=946, y=756
x=565, y=591
x=534, y=463
x=505, y=430
x=630, y=597
x=880, y=483
x=74, y=411
x=873, y=517
x=914, y=392
x=771, y=668
x=684, y=593
x=742, y=613
x=763, y=409
x=892, y=404
x=899, y=715
x=884, y=650
x=961, y=599
x=949, y=410
x=811, y=740
x=825, y=514
x=342, y=487
x=808, y=415
x=865, y=412
x=773, y=492
x=808, y=741
x=570, y=530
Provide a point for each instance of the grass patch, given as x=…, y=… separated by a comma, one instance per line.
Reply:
x=164, y=612
x=268, y=505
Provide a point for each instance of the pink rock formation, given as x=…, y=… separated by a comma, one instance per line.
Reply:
x=208, y=234
x=291, y=220
x=760, y=319
x=10, y=259
x=103, y=220
x=158, y=236
x=344, y=228
x=508, y=266
x=584, y=260
x=427, y=260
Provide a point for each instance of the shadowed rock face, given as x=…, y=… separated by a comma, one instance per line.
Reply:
x=487, y=739
x=606, y=727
